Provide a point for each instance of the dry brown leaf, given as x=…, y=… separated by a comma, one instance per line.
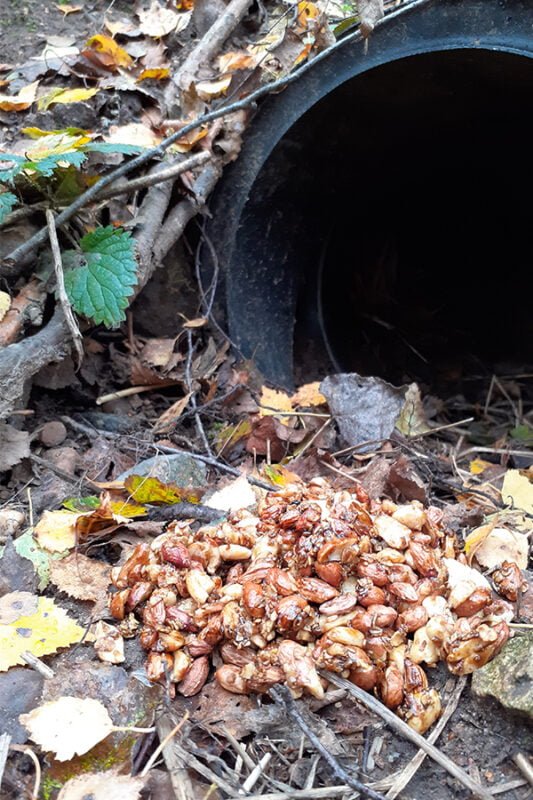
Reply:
x=67, y=8
x=20, y=101
x=230, y=62
x=158, y=21
x=14, y=446
x=68, y=726
x=370, y=12
x=169, y=417
x=80, y=577
x=210, y=90
x=102, y=786
x=158, y=352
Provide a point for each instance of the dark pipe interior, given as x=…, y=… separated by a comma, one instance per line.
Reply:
x=400, y=205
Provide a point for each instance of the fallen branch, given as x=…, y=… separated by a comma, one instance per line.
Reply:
x=61, y=291
x=145, y=181
x=211, y=42
x=19, y=362
x=283, y=698
x=404, y=730
x=151, y=214
x=20, y=253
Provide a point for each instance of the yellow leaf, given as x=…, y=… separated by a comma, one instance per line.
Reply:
x=35, y=625
x=477, y=537
x=280, y=475
x=38, y=133
x=67, y=8
x=272, y=402
x=306, y=13
x=151, y=490
x=308, y=395
x=20, y=101
x=230, y=62
x=517, y=491
x=210, y=90
x=56, y=530
x=105, y=45
x=68, y=726
x=155, y=74
x=5, y=304
x=478, y=465
x=54, y=145
x=64, y=96
x=122, y=508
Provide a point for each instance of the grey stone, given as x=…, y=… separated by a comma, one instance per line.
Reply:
x=181, y=469
x=509, y=676
x=16, y=573
x=20, y=690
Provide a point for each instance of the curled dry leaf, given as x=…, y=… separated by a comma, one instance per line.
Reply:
x=210, y=90
x=109, y=54
x=35, y=624
x=20, y=101
x=102, y=786
x=80, y=577
x=68, y=726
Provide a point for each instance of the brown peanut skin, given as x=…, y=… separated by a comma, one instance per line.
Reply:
x=195, y=678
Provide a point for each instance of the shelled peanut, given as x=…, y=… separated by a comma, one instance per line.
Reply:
x=318, y=580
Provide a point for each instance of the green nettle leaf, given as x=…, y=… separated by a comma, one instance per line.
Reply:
x=46, y=166
x=110, y=147
x=10, y=166
x=101, y=278
x=7, y=201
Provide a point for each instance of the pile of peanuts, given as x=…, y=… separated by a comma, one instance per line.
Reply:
x=317, y=579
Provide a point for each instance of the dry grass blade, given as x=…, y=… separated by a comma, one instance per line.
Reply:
x=404, y=730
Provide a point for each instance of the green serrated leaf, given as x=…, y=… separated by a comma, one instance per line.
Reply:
x=48, y=165
x=10, y=166
x=7, y=201
x=27, y=547
x=109, y=147
x=101, y=279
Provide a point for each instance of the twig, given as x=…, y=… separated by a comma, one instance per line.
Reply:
x=176, y=765
x=66, y=476
x=145, y=181
x=107, y=398
x=509, y=786
x=24, y=308
x=283, y=698
x=195, y=764
x=211, y=42
x=524, y=765
x=61, y=291
x=403, y=729
x=5, y=739
x=407, y=774
x=323, y=793
x=36, y=664
x=161, y=746
x=192, y=395
x=27, y=751
x=19, y=254
x=256, y=773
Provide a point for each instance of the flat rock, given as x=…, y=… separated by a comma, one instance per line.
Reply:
x=509, y=676
x=180, y=468
x=20, y=690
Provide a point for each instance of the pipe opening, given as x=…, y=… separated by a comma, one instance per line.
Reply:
x=395, y=222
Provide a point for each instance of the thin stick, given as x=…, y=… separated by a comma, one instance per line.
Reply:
x=524, y=765
x=107, y=398
x=61, y=291
x=315, y=436
x=407, y=774
x=501, y=788
x=37, y=783
x=403, y=729
x=443, y=428
x=145, y=181
x=19, y=253
x=36, y=664
x=5, y=739
x=283, y=698
x=179, y=776
x=323, y=793
x=255, y=774
x=161, y=746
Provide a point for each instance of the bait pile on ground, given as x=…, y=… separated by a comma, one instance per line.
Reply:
x=319, y=580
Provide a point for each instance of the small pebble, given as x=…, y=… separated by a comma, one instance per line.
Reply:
x=53, y=433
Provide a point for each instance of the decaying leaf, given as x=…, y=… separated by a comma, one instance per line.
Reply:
x=14, y=446
x=517, y=491
x=102, y=786
x=144, y=489
x=64, y=96
x=27, y=547
x=20, y=101
x=230, y=62
x=168, y=418
x=68, y=726
x=80, y=577
x=308, y=396
x=157, y=21
x=412, y=420
x=35, y=624
x=279, y=475
x=237, y=494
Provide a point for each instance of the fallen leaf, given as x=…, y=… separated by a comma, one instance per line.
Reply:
x=80, y=577
x=517, y=491
x=56, y=530
x=230, y=62
x=124, y=26
x=237, y=494
x=158, y=352
x=231, y=435
x=272, y=402
x=168, y=418
x=210, y=90
x=68, y=726
x=20, y=101
x=478, y=465
x=110, y=54
x=135, y=133
x=151, y=490
x=108, y=643
x=14, y=446
x=307, y=12
x=34, y=624
x=308, y=396
x=412, y=420
x=157, y=21
x=280, y=475
x=102, y=786
x=65, y=97
x=67, y=8
x=5, y=304
x=154, y=74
